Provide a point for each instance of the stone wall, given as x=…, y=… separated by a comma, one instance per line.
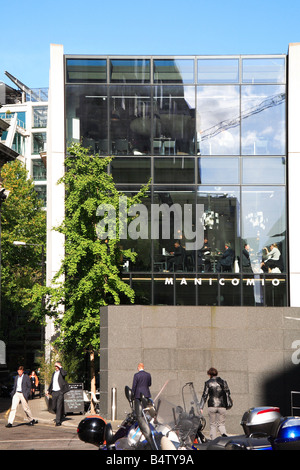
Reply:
x=254, y=349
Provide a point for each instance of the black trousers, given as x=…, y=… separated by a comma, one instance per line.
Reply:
x=58, y=405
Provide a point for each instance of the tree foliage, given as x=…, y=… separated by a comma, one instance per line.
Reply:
x=90, y=272
x=22, y=219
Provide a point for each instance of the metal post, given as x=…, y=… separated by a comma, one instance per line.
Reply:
x=113, y=403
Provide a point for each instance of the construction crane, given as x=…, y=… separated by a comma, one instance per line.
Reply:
x=274, y=100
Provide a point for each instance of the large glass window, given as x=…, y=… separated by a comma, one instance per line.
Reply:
x=218, y=120
x=86, y=71
x=215, y=140
x=264, y=70
x=39, y=140
x=174, y=120
x=171, y=170
x=130, y=120
x=263, y=170
x=264, y=227
x=218, y=71
x=263, y=120
x=39, y=172
x=173, y=224
x=131, y=170
x=40, y=116
x=221, y=221
x=87, y=116
x=129, y=71
x=223, y=170
x=138, y=237
x=173, y=71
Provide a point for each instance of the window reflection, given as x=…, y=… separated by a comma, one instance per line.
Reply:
x=39, y=142
x=263, y=120
x=135, y=241
x=87, y=117
x=128, y=170
x=172, y=224
x=130, y=120
x=218, y=70
x=264, y=170
x=40, y=114
x=86, y=70
x=218, y=170
x=173, y=71
x=174, y=120
x=174, y=170
x=264, y=225
x=221, y=227
x=129, y=71
x=264, y=70
x=218, y=121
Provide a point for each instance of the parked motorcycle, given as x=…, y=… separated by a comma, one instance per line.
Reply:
x=149, y=425
x=160, y=425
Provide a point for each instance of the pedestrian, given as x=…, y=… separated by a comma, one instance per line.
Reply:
x=34, y=383
x=216, y=392
x=20, y=393
x=57, y=388
x=141, y=382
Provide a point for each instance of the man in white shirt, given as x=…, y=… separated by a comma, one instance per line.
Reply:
x=20, y=393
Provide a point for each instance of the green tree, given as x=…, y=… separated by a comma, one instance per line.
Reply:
x=22, y=219
x=90, y=274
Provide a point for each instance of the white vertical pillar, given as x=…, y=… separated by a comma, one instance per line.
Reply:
x=294, y=171
x=55, y=170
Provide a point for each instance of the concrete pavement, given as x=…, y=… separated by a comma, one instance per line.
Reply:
x=40, y=412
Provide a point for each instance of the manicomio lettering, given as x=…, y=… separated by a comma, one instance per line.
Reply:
x=235, y=281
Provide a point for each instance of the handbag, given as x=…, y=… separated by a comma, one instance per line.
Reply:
x=228, y=400
x=227, y=397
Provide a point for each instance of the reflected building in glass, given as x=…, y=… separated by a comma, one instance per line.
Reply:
x=205, y=130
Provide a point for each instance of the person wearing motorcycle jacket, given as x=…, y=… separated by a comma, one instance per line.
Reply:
x=141, y=382
x=215, y=394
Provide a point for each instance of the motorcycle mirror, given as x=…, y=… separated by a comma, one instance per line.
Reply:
x=128, y=394
x=143, y=424
x=138, y=408
x=144, y=401
x=108, y=436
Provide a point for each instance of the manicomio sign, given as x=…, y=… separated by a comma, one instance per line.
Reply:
x=235, y=281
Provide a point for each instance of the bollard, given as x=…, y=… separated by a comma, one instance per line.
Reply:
x=113, y=404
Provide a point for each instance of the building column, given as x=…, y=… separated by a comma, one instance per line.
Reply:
x=294, y=171
x=55, y=170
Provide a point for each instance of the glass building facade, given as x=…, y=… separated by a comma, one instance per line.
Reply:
x=208, y=132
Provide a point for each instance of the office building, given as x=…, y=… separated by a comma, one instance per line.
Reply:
x=218, y=132
x=25, y=110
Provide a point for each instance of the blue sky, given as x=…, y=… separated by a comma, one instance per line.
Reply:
x=157, y=27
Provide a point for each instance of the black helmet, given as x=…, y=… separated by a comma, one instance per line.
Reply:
x=91, y=430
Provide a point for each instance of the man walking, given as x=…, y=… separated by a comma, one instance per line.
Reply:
x=141, y=382
x=20, y=393
x=57, y=388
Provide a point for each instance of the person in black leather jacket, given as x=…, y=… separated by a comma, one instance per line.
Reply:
x=215, y=394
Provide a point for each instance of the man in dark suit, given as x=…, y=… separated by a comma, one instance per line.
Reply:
x=57, y=388
x=177, y=256
x=226, y=260
x=141, y=382
x=20, y=393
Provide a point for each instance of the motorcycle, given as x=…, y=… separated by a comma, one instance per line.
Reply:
x=160, y=425
x=154, y=425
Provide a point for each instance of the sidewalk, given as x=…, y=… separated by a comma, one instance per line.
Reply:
x=39, y=409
